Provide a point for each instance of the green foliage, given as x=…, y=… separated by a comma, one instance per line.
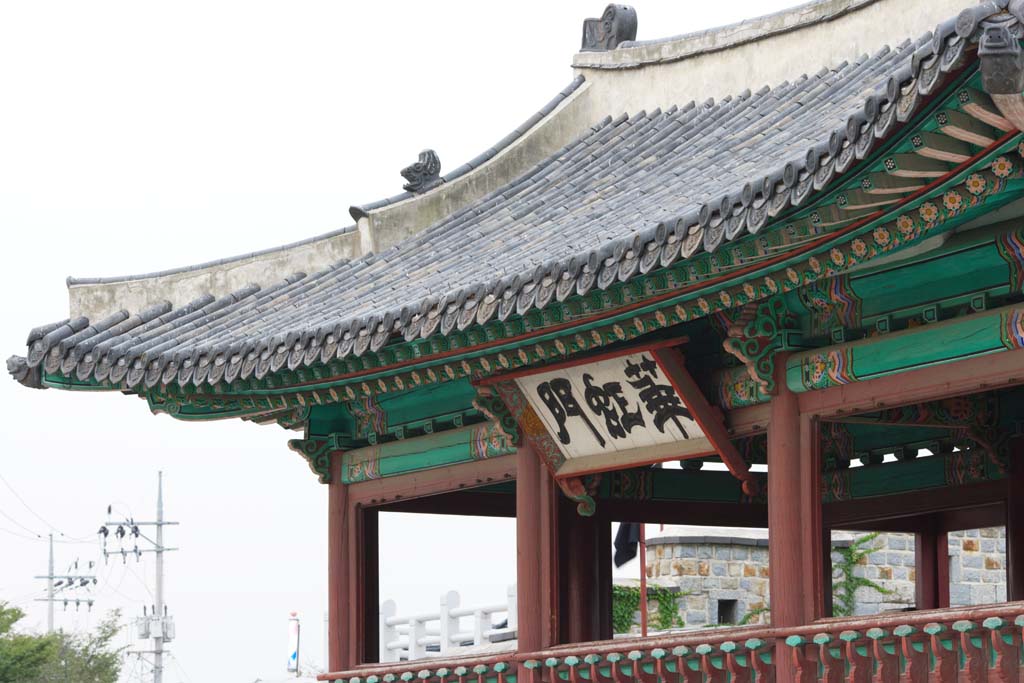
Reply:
x=845, y=583
x=626, y=602
x=753, y=614
x=22, y=657
x=84, y=658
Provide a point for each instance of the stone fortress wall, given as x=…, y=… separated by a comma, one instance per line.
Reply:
x=723, y=575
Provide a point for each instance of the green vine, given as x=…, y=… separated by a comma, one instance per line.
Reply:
x=626, y=603
x=845, y=582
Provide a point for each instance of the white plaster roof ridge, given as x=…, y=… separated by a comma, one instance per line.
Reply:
x=72, y=281
x=637, y=53
x=362, y=210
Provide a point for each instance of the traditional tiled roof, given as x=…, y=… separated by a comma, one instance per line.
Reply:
x=636, y=193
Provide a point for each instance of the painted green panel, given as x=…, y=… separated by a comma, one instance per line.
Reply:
x=479, y=442
x=867, y=437
x=932, y=280
x=965, y=337
x=428, y=402
x=890, y=478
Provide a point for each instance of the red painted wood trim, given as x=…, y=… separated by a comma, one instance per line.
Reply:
x=583, y=360
x=710, y=420
x=994, y=371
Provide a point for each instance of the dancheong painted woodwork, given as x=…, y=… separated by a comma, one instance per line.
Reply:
x=799, y=307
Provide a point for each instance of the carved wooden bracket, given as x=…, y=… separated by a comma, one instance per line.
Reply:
x=495, y=409
x=317, y=453
x=760, y=331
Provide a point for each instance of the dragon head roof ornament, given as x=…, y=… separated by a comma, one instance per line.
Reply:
x=616, y=25
x=424, y=174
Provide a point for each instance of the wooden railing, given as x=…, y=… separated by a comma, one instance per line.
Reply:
x=976, y=645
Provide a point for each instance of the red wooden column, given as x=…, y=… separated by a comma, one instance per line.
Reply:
x=339, y=602
x=529, y=548
x=795, y=548
x=1015, y=522
x=931, y=561
x=580, y=575
x=368, y=548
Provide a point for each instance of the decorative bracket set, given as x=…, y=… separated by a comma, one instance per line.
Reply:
x=759, y=332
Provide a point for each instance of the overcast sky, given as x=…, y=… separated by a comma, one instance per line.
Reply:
x=140, y=136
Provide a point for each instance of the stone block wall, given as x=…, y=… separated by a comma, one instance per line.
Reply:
x=731, y=572
x=713, y=572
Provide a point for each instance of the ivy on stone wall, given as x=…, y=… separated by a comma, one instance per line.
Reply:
x=626, y=603
x=845, y=582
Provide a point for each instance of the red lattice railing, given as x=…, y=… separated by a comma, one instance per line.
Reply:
x=975, y=645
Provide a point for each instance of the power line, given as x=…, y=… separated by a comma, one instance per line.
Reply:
x=17, y=523
x=27, y=506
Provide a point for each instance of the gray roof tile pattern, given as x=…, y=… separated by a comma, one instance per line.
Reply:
x=635, y=193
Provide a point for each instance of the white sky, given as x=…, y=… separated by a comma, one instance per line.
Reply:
x=141, y=136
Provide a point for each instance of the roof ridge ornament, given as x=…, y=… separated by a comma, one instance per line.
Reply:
x=424, y=174
x=616, y=25
x=998, y=27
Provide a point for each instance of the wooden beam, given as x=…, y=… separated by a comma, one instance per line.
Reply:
x=695, y=514
x=468, y=502
x=993, y=371
x=710, y=420
x=431, y=482
x=941, y=147
x=980, y=106
x=944, y=521
x=961, y=126
x=859, y=513
x=915, y=166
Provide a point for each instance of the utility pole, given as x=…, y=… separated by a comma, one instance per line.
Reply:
x=158, y=636
x=49, y=591
x=157, y=625
x=64, y=581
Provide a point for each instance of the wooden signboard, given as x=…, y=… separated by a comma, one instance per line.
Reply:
x=615, y=411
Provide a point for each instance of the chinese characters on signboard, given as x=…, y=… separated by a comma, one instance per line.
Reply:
x=613, y=405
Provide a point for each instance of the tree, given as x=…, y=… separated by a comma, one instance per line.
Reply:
x=58, y=657
x=22, y=656
x=85, y=657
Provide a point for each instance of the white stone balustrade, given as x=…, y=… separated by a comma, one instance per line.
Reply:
x=446, y=632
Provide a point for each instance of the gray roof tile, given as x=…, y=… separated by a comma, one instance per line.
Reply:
x=598, y=211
